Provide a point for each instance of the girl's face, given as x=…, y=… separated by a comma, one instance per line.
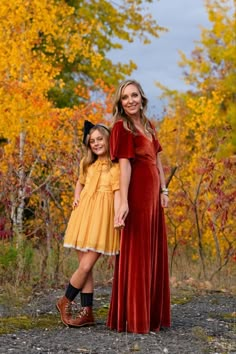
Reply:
x=131, y=100
x=98, y=144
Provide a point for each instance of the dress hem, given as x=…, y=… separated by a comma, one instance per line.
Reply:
x=152, y=330
x=92, y=249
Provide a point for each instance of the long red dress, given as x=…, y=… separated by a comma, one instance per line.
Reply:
x=140, y=300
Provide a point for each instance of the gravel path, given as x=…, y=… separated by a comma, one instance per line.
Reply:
x=203, y=323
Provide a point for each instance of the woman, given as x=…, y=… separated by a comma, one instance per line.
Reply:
x=140, y=300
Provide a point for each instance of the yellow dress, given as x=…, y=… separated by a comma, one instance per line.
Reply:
x=91, y=224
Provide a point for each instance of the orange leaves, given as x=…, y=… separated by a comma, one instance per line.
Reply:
x=31, y=36
x=196, y=135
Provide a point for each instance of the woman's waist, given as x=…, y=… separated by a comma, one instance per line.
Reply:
x=144, y=162
x=145, y=172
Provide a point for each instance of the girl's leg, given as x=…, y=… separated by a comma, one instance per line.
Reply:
x=89, y=284
x=77, y=282
x=86, y=262
x=64, y=303
x=86, y=294
x=85, y=315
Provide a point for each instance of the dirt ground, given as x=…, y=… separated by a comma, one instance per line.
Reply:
x=201, y=323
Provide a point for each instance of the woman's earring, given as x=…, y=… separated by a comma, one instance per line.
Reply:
x=141, y=108
x=121, y=110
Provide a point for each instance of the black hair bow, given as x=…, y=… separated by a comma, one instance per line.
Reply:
x=88, y=126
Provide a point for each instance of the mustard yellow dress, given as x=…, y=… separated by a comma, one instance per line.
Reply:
x=91, y=224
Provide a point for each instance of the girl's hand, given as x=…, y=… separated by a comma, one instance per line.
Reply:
x=75, y=203
x=164, y=200
x=119, y=226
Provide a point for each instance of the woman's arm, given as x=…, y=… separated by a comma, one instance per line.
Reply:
x=78, y=189
x=125, y=174
x=164, y=197
x=116, y=201
x=116, y=209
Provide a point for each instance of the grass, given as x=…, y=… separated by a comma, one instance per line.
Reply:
x=181, y=299
x=102, y=312
x=13, y=324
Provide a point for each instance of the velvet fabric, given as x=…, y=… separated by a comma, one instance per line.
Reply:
x=140, y=300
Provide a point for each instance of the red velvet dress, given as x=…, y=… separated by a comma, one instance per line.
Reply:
x=140, y=300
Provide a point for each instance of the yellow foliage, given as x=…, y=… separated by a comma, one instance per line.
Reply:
x=197, y=135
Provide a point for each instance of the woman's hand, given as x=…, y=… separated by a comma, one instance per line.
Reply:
x=120, y=216
x=164, y=200
x=123, y=208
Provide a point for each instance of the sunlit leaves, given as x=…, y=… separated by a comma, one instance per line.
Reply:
x=198, y=136
x=110, y=25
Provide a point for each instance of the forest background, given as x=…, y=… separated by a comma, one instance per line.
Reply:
x=54, y=74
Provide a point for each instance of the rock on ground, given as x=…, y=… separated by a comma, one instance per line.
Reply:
x=203, y=323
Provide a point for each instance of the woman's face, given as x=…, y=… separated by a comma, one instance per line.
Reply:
x=98, y=144
x=131, y=100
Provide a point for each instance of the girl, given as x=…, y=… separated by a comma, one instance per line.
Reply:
x=90, y=230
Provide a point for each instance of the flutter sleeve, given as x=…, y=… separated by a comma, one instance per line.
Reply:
x=121, y=143
x=82, y=176
x=115, y=176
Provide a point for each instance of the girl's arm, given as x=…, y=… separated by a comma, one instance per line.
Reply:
x=125, y=174
x=78, y=189
x=164, y=196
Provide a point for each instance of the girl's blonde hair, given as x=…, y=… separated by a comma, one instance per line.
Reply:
x=90, y=157
x=118, y=112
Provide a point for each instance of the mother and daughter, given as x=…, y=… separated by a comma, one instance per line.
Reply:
x=118, y=210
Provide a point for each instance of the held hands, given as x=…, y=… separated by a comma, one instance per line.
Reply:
x=119, y=226
x=120, y=216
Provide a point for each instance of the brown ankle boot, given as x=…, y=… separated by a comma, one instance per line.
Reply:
x=64, y=307
x=84, y=318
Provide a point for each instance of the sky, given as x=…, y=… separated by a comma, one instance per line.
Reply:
x=158, y=61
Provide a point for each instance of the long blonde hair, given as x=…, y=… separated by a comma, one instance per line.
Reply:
x=118, y=112
x=90, y=157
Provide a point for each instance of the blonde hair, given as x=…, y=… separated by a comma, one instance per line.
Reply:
x=118, y=112
x=90, y=157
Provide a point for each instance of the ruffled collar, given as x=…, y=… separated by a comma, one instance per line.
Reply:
x=102, y=161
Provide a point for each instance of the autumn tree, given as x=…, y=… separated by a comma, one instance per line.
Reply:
x=53, y=54
x=212, y=65
x=198, y=136
x=26, y=75
x=110, y=24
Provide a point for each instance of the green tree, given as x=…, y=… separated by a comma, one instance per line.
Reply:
x=109, y=23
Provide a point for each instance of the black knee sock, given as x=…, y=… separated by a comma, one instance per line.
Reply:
x=86, y=299
x=71, y=292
